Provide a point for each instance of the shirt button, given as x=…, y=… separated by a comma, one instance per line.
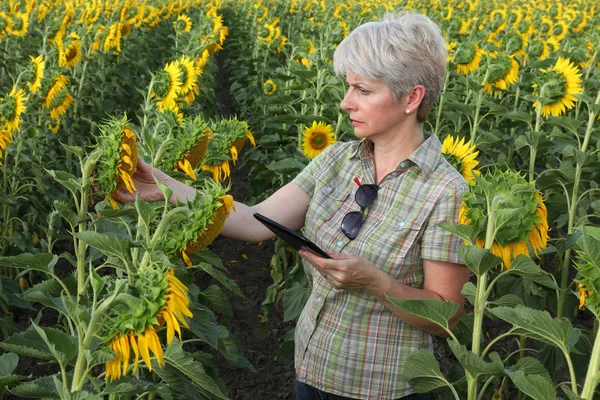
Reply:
x=329, y=189
x=401, y=224
x=340, y=243
x=319, y=299
x=403, y=164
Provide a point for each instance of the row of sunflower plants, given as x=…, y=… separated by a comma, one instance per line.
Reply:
x=521, y=94
x=109, y=287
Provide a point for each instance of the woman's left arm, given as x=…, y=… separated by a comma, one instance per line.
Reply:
x=442, y=281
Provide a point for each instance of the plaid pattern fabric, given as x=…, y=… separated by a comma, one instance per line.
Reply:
x=348, y=343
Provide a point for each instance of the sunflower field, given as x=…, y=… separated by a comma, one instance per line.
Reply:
x=87, y=87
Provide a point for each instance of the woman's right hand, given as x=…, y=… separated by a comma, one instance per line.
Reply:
x=145, y=184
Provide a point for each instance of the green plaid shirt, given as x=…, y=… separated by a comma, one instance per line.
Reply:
x=347, y=342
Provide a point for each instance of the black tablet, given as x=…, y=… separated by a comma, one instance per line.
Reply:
x=292, y=238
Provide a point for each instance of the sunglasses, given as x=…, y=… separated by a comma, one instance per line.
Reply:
x=353, y=221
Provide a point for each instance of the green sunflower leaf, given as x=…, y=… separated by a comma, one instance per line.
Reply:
x=423, y=372
x=538, y=325
x=37, y=389
x=568, y=123
x=69, y=181
x=8, y=364
x=473, y=363
x=479, y=260
x=294, y=299
x=465, y=232
x=535, y=386
x=109, y=245
x=436, y=311
x=43, y=262
x=194, y=371
x=287, y=165
x=215, y=297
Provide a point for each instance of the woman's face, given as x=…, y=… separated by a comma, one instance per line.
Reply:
x=372, y=109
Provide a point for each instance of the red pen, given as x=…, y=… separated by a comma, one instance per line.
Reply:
x=357, y=181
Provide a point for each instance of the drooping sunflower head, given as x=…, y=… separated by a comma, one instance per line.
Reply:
x=198, y=228
x=515, y=44
x=557, y=87
x=155, y=298
x=189, y=147
x=461, y=156
x=189, y=80
x=517, y=210
x=35, y=73
x=230, y=137
x=537, y=49
x=317, y=138
x=5, y=139
x=11, y=107
x=503, y=72
x=588, y=264
x=19, y=23
x=118, y=161
x=182, y=24
x=269, y=87
x=166, y=85
x=69, y=50
x=467, y=57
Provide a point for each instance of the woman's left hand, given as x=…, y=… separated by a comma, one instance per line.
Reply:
x=345, y=271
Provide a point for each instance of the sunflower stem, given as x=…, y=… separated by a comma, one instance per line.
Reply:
x=480, y=297
x=592, y=376
x=572, y=208
x=536, y=131
x=438, y=115
x=160, y=232
x=478, y=102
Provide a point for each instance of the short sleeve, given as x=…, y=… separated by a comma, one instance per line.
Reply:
x=437, y=243
x=308, y=178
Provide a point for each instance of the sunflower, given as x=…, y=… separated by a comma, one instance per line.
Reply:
x=118, y=161
x=18, y=25
x=553, y=43
x=450, y=46
x=503, y=72
x=583, y=295
x=317, y=138
x=467, y=57
x=189, y=147
x=70, y=54
x=461, y=156
x=182, y=24
x=560, y=30
x=512, y=194
x=538, y=50
x=60, y=105
x=167, y=86
x=230, y=137
x=269, y=87
x=588, y=264
x=36, y=73
x=130, y=332
x=189, y=86
x=5, y=139
x=113, y=38
x=196, y=230
x=558, y=84
x=11, y=108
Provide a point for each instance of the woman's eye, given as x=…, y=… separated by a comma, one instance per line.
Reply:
x=363, y=91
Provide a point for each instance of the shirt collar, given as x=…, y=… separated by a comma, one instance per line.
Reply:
x=426, y=156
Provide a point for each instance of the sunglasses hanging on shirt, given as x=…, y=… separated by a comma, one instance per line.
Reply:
x=353, y=221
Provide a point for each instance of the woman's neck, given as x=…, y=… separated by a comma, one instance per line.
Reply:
x=389, y=152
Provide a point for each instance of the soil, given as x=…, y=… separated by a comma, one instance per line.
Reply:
x=249, y=267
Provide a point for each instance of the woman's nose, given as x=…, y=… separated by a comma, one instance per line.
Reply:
x=346, y=103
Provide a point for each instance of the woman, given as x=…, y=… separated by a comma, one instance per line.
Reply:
x=374, y=205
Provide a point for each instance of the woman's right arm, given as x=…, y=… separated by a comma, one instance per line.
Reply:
x=288, y=205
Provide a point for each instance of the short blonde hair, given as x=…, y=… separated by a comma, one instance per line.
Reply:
x=401, y=51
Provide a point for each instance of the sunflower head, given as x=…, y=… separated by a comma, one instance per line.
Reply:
x=461, y=156
x=189, y=147
x=189, y=78
x=199, y=227
x=317, y=138
x=269, y=87
x=503, y=72
x=467, y=57
x=118, y=161
x=556, y=87
x=11, y=108
x=166, y=86
x=518, y=212
x=5, y=139
x=35, y=73
x=155, y=298
x=588, y=265
x=69, y=50
x=230, y=137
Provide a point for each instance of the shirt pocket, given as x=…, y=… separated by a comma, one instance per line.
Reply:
x=408, y=231
x=328, y=198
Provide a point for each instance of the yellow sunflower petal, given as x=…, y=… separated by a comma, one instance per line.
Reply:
x=143, y=347
x=186, y=167
x=154, y=345
x=134, y=347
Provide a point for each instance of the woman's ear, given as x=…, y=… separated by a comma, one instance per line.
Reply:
x=414, y=98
